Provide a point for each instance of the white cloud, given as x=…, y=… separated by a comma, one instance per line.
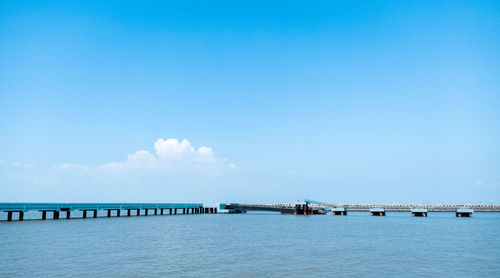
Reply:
x=71, y=166
x=231, y=165
x=167, y=153
x=172, y=150
x=20, y=164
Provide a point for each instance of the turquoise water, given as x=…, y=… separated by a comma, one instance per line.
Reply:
x=254, y=245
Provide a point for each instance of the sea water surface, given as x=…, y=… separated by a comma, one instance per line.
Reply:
x=254, y=245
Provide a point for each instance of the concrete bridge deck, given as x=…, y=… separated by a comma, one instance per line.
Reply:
x=112, y=208
x=409, y=207
x=289, y=208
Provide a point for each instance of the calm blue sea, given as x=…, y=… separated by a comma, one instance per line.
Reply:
x=254, y=245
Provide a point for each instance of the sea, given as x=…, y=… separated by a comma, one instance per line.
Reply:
x=254, y=245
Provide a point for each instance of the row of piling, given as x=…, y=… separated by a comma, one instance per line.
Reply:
x=171, y=211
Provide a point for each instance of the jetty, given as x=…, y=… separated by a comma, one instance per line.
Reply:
x=112, y=209
x=312, y=207
x=55, y=211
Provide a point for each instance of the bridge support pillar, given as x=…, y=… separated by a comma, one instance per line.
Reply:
x=156, y=211
x=109, y=213
x=44, y=215
x=84, y=214
x=161, y=211
x=95, y=213
x=138, y=212
x=118, y=212
x=56, y=214
x=128, y=212
x=21, y=215
x=9, y=216
x=68, y=214
x=146, y=212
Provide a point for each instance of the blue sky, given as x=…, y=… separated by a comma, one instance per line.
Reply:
x=340, y=101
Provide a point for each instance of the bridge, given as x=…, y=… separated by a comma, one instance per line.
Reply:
x=55, y=209
x=314, y=207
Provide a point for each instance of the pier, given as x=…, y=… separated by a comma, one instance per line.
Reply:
x=313, y=207
x=112, y=209
x=55, y=211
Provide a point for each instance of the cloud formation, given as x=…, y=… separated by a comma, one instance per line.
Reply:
x=168, y=153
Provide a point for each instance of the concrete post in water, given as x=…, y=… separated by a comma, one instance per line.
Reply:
x=175, y=210
x=118, y=212
x=146, y=212
x=419, y=212
x=44, y=215
x=68, y=214
x=21, y=215
x=170, y=211
x=109, y=213
x=85, y=213
x=9, y=216
x=161, y=211
x=156, y=211
x=95, y=213
x=128, y=212
x=464, y=212
x=56, y=214
x=138, y=212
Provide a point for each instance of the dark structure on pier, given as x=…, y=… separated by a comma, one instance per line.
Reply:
x=296, y=209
